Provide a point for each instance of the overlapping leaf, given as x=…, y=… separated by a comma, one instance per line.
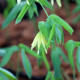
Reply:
x=8, y=74
x=70, y=46
x=13, y=14
x=78, y=58
x=8, y=53
x=26, y=64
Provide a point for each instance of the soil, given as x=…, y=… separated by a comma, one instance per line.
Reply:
x=24, y=32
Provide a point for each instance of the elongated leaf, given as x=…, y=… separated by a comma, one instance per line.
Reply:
x=45, y=59
x=70, y=46
x=55, y=57
x=49, y=76
x=51, y=35
x=77, y=9
x=26, y=64
x=78, y=58
x=13, y=14
x=3, y=76
x=23, y=12
x=43, y=29
x=45, y=3
x=61, y=22
x=8, y=55
x=8, y=74
x=28, y=50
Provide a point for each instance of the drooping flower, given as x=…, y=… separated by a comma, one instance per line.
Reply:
x=39, y=40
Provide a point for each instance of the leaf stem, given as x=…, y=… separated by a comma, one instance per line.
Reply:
x=44, y=10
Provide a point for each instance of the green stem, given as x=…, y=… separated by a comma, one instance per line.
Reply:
x=74, y=75
x=18, y=66
x=28, y=50
x=44, y=10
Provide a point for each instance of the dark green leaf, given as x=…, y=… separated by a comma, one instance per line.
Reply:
x=8, y=54
x=55, y=56
x=13, y=14
x=26, y=64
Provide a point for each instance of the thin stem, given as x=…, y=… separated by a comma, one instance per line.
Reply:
x=44, y=10
x=74, y=75
x=18, y=66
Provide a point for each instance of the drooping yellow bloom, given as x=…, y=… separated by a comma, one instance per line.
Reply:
x=58, y=2
x=38, y=40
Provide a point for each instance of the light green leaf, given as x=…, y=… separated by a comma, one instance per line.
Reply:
x=8, y=54
x=13, y=14
x=70, y=46
x=78, y=59
x=61, y=22
x=23, y=12
x=43, y=29
x=8, y=74
x=3, y=76
x=26, y=64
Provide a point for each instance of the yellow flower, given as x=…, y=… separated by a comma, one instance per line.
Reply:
x=38, y=40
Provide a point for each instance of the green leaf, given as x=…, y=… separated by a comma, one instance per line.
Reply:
x=52, y=2
x=8, y=74
x=70, y=46
x=13, y=14
x=35, y=9
x=77, y=19
x=58, y=35
x=8, y=54
x=78, y=59
x=43, y=29
x=31, y=11
x=51, y=35
x=44, y=58
x=61, y=22
x=55, y=57
x=45, y=3
x=3, y=76
x=28, y=50
x=49, y=76
x=77, y=9
x=23, y=12
x=26, y=64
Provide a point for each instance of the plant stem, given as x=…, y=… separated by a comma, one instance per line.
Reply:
x=18, y=66
x=44, y=10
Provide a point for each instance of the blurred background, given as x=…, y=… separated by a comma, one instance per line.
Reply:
x=25, y=31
